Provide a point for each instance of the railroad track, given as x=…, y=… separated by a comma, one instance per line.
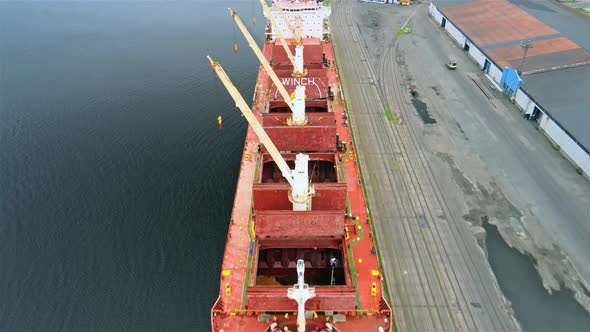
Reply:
x=437, y=279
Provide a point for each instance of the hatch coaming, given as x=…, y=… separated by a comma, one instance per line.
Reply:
x=271, y=191
x=286, y=224
x=315, y=110
x=276, y=261
x=321, y=168
x=274, y=272
x=313, y=58
x=319, y=135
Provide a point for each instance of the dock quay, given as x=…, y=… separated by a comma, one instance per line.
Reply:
x=437, y=276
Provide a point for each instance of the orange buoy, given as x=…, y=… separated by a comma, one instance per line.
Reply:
x=219, y=122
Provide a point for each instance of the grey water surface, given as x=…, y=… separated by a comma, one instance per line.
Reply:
x=534, y=308
x=116, y=185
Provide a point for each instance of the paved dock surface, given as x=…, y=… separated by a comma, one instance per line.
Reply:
x=437, y=274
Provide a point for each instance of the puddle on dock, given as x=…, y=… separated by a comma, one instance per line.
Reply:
x=422, y=110
x=534, y=308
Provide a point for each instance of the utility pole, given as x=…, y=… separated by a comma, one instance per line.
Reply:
x=525, y=44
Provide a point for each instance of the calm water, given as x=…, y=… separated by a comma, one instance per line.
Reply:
x=115, y=184
x=535, y=309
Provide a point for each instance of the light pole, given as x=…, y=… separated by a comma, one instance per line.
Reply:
x=525, y=44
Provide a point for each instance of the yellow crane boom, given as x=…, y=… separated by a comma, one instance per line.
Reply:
x=262, y=59
x=298, y=68
x=247, y=112
x=301, y=189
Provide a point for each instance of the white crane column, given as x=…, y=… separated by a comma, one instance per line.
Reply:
x=301, y=189
x=298, y=70
x=298, y=118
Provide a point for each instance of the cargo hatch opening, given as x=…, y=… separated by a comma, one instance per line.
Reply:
x=311, y=106
x=277, y=265
x=321, y=169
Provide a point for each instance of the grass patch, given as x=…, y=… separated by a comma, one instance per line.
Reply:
x=392, y=116
x=389, y=115
x=583, y=11
x=404, y=30
x=327, y=2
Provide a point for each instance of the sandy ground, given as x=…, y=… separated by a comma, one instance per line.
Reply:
x=491, y=164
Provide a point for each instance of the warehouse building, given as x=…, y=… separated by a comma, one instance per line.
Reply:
x=551, y=86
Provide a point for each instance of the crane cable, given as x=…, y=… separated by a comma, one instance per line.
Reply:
x=252, y=13
x=235, y=39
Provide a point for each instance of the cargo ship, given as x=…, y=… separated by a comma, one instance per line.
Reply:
x=300, y=254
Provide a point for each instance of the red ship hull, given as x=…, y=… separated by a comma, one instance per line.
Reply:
x=265, y=237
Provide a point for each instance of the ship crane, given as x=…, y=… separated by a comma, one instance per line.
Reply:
x=301, y=189
x=298, y=69
x=296, y=32
x=296, y=105
x=301, y=292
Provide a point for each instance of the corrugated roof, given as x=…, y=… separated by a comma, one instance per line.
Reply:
x=572, y=25
x=549, y=54
x=495, y=21
x=565, y=95
x=558, y=68
x=444, y=3
x=497, y=27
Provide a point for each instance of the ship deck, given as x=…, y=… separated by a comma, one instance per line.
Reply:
x=238, y=260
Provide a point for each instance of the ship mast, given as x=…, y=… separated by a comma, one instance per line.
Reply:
x=301, y=190
x=298, y=70
x=298, y=108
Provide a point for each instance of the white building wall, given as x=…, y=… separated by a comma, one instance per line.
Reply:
x=312, y=20
x=455, y=33
x=530, y=107
x=477, y=55
x=567, y=146
x=435, y=14
x=495, y=73
x=522, y=100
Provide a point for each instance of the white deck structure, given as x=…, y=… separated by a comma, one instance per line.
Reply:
x=313, y=13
